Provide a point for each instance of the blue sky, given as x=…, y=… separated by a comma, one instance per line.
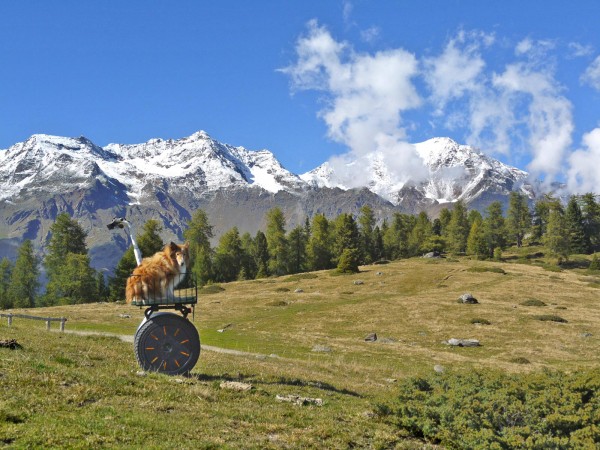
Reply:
x=312, y=79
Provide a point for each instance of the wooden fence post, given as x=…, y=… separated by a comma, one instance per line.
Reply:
x=62, y=323
x=10, y=320
x=48, y=325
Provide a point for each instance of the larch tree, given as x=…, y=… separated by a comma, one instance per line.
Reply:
x=24, y=280
x=277, y=242
x=5, y=274
x=198, y=234
x=518, y=217
x=67, y=237
x=319, y=247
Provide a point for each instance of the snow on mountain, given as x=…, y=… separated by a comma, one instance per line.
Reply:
x=196, y=163
x=43, y=161
x=453, y=172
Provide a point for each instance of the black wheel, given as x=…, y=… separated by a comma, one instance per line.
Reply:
x=167, y=343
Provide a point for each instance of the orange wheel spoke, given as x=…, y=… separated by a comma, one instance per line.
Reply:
x=185, y=354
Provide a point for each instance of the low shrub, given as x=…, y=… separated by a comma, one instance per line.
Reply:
x=486, y=269
x=210, y=289
x=533, y=302
x=479, y=321
x=550, y=318
x=494, y=410
x=520, y=360
x=282, y=289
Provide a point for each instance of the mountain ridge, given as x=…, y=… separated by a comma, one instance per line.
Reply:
x=167, y=180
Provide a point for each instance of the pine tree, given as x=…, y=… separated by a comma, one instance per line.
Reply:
x=76, y=282
x=149, y=240
x=473, y=216
x=5, y=274
x=24, y=284
x=366, y=222
x=345, y=235
x=248, y=262
x=123, y=270
x=348, y=261
x=276, y=242
x=556, y=238
x=319, y=247
x=198, y=234
x=228, y=256
x=476, y=244
x=578, y=240
x=494, y=228
x=591, y=218
x=444, y=220
x=261, y=255
x=395, y=239
x=590, y=210
x=458, y=228
x=378, y=253
x=67, y=238
x=297, y=250
x=420, y=234
x=541, y=216
x=101, y=287
x=518, y=217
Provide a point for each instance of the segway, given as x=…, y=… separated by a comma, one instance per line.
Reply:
x=165, y=342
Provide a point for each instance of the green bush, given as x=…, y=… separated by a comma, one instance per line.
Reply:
x=493, y=410
x=348, y=261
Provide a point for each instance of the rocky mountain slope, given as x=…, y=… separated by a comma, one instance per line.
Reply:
x=168, y=179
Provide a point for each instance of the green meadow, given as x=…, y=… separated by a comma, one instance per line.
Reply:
x=304, y=335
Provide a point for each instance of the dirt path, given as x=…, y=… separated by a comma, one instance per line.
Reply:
x=129, y=338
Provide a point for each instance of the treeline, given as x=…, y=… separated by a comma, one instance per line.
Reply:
x=344, y=242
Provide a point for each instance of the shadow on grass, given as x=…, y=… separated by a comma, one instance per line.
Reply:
x=316, y=384
x=280, y=381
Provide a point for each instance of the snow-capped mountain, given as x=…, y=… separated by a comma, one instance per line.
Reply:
x=168, y=180
x=451, y=172
x=196, y=163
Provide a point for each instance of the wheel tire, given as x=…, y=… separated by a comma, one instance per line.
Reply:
x=167, y=343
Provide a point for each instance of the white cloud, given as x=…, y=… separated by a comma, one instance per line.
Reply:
x=547, y=116
x=457, y=70
x=578, y=50
x=584, y=175
x=592, y=74
x=366, y=95
x=370, y=35
x=517, y=108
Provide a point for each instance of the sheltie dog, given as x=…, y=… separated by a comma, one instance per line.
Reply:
x=155, y=278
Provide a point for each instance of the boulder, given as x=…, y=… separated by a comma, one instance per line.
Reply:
x=371, y=337
x=468, y=299
x=463, y=342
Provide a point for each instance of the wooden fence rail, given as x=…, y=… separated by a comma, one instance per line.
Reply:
x=62, y=320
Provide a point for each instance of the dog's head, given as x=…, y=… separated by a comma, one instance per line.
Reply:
x=180, y=255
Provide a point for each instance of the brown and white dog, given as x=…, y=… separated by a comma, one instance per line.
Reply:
x=155, y=278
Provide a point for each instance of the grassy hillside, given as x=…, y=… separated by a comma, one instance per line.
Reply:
x=307, y=336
